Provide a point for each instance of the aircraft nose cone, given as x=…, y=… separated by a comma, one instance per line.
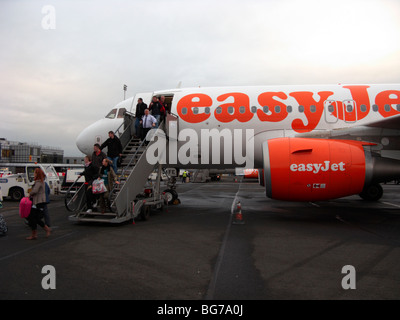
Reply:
x=82, y=143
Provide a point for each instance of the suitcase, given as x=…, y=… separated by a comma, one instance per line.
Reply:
x=25, y=207
x=3, y=226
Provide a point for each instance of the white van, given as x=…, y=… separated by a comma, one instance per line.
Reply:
x=16, y=180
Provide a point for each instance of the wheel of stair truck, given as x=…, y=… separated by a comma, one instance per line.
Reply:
x=16, y=193
x=372, y=192
x=145, y=213
x=171, y=195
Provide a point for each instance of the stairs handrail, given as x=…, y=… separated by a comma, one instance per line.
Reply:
x=78, y=196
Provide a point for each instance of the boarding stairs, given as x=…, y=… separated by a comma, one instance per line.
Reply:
x=133, y=174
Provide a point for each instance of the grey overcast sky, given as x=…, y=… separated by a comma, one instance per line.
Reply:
x=55, y=82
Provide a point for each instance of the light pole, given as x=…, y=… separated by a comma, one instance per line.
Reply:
x=125, y=87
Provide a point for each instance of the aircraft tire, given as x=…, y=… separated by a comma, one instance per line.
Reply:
x=372, y=192
x=171, y=195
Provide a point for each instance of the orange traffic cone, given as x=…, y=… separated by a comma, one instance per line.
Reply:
x=238, y=217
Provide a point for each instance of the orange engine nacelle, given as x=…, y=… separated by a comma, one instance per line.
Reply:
x=302, y=169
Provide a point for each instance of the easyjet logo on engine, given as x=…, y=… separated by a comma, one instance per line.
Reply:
x=188, y=107
x=317, y=167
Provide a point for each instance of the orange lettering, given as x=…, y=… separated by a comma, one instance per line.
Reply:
x=313, y=115
x=187, y=103
x=266, y=99
x=383, y=100
x=239, y=109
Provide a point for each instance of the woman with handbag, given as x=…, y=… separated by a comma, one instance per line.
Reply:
x=108, y=175
x=38, y=195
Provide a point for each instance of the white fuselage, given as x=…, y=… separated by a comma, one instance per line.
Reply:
x=218, y=127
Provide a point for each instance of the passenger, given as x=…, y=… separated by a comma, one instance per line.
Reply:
x=108, y=175
x=156, y=110
x=97, y=156
x=45, y=208
x=140, y=107
x=164, y=104
x=148, y=122
x=114, y=150
x=165, y=108
x=90, y=173
x=38, y=195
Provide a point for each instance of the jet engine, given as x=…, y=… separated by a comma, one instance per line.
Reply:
x=302, y=169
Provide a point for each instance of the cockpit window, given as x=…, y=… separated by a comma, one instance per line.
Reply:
x=112, y=114
x=121, y=112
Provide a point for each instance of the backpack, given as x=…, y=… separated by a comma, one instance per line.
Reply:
x=3, y=226
x=47, y=191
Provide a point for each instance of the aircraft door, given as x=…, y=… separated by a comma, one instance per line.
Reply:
x=146, y=99
x=350, y=111
x=332, y=112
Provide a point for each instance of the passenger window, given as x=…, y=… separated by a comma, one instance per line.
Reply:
x=398, y=107
x=184, y=110
x=277, y=109
x=387, y=107
x=195, y=110
x=375, y=108
x=121, y=112
x=254, y=109
x=349, y=108
x=313, y=109
x=301, y=109
x=112, y=114
x=230, y=110
x=218, y=110
x=242, y=110
x=265, y=109
x=363, y=108
x=207, y=110
x=331, y=108
x=289, y=109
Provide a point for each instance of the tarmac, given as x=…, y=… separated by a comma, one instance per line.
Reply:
x=193, y=251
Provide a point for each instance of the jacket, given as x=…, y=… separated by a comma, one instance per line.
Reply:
x=140, y=109
x=111, y=176
x=38, y=193
x=98, y=159
x=114, y=147
x=156, y=108
x=90, y=173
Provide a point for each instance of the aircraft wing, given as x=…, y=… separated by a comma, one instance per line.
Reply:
x=368, y=132
x=388, y=123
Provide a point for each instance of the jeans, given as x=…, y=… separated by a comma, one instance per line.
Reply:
x=115, y=163
x=158, y=116
x=36, y=216
x=137, y=127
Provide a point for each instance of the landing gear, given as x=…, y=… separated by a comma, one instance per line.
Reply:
x=171, y=195
x=372, y=192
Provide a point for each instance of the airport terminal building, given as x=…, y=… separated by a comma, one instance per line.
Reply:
x=22, y=152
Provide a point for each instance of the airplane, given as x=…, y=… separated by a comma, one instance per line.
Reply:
x=308, y=142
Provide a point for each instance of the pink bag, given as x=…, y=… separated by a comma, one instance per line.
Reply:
x=25, y=207
x=98, y=186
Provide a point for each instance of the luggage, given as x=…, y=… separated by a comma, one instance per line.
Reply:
x=3, y=226
x=25, y=207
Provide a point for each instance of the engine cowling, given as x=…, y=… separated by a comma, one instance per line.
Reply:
x=302, y=169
